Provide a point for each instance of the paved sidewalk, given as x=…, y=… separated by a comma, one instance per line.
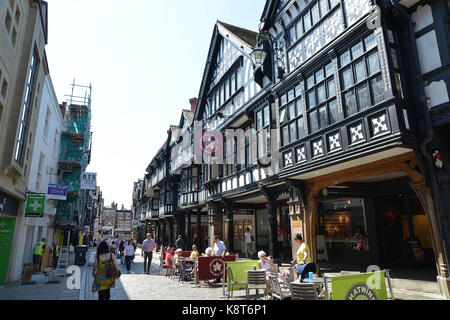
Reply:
x=41, y=290
x=140, y=286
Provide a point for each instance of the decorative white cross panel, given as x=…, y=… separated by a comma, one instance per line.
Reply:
x=357, y=133
x=379, y=125
x=318, y=148
x=335, y=142
x=301, y=154
x=288, y=159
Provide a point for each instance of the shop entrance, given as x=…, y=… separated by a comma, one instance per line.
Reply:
x=385, y=225
x=240, y=224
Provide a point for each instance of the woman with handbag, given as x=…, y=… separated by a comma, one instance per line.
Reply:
x=105, y=272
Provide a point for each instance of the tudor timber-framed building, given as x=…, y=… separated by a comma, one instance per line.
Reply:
x=355, y=94
x=353, y=111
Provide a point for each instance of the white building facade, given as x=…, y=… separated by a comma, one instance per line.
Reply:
x=43, y=171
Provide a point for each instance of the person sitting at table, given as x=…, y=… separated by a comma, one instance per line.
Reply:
x=265, y=263
x=177, y=257
x=304, y=261
x=209, y=252
x=194, y=253
x=168, y=261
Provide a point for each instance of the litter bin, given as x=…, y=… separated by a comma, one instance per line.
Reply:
x=80, y=255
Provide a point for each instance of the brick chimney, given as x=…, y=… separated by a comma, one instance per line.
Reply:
x=193, y=103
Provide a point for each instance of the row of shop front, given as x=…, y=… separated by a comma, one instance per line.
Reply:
x=375, y=213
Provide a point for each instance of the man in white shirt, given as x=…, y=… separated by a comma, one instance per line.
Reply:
x=248, y=242
x=219, y=247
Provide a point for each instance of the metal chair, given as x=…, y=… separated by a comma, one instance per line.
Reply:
x=185, y=272
x=232, y=282
x=275, y=289
x=256, y=279
x=303, y=291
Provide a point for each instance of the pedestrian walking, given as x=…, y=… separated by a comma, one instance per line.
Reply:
x=248, y=242
x=129, y=253
x=180, y=243
x=147, y=252
x=55, y=255
x=38, y=251
x=103, y=280
x=134, y=255
x=121, y=250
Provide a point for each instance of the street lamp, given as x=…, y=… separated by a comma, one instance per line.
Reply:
x=258, y=56
x=266, y=43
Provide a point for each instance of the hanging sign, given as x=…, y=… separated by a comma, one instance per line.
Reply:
x=135, y=223
x=35, y=206
x=57, y=192
x=88, y=181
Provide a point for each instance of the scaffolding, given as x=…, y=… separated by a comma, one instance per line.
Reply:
x=75, y=152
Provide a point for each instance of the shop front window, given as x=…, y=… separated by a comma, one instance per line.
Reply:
x=342, y=222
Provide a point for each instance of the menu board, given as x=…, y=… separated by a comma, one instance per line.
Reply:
x=7, y=226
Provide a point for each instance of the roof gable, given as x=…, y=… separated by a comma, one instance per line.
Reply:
x=232, y=42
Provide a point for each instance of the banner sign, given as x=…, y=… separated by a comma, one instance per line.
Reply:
x=88, y=181
x=35, y=206
x=57, y=192
x=363, y=286
x=210, y=268
x=239, y=270
x=7, y=226
x=8, y=205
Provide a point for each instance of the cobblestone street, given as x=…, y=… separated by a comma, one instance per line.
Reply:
x=139, y=286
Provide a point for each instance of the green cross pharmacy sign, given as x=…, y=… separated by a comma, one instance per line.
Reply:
x=35, y=206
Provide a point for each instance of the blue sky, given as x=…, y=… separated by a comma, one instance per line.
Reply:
x=145, y=60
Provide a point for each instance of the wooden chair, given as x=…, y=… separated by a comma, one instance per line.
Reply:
x=303, y=291
x=232, y=282
x=275, y=289
x=256, y=279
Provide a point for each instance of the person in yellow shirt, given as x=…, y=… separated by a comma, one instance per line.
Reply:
x=194, y=253
x=303, y=254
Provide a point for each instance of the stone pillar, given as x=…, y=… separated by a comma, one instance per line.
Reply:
x=309, y=225
x=189, y=232
x=171, y=232
x=426, y=199
x=272, y=217
x=230, y=225
x=163, y=233
x=200, y=245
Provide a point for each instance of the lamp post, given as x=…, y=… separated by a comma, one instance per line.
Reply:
x=259, y=55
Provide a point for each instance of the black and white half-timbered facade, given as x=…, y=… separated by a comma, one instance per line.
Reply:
x=361, y=80
x=332, y=122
